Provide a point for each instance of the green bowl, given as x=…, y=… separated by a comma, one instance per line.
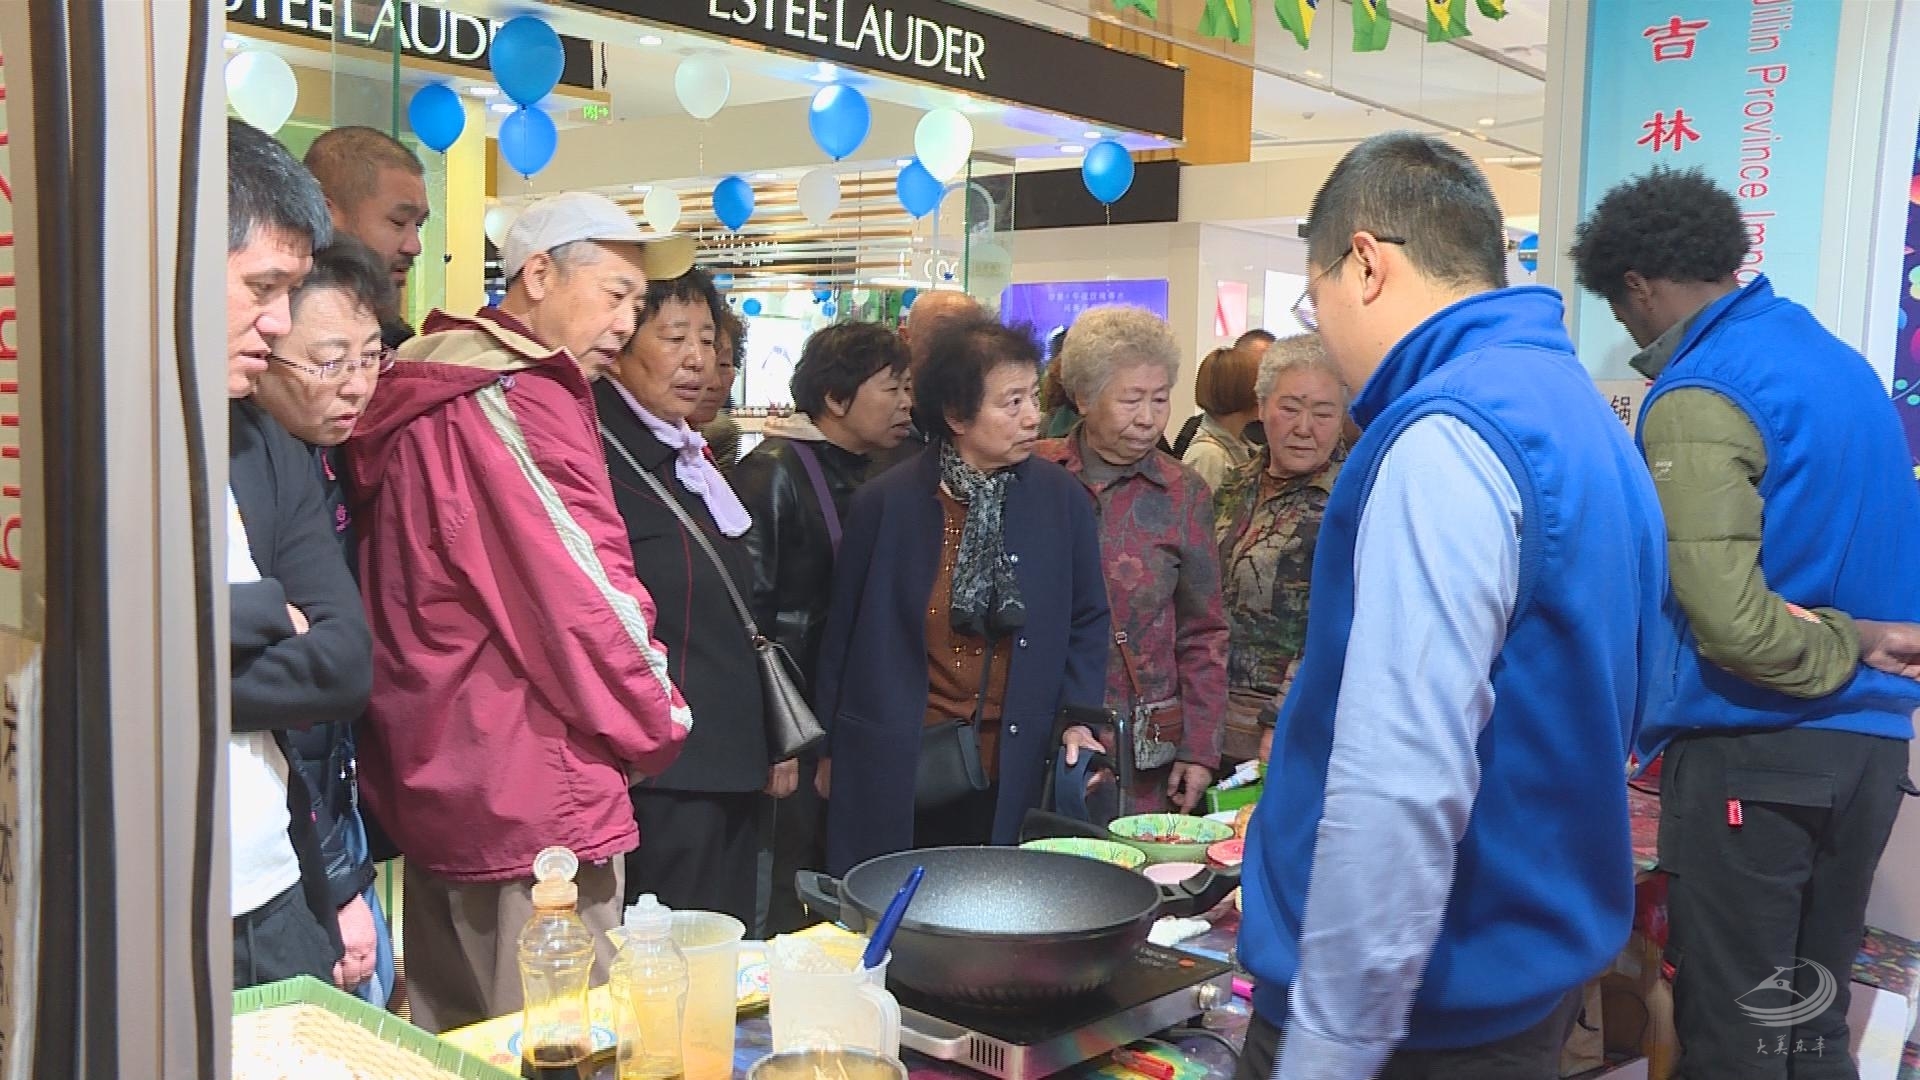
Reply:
x=1170, y=837
x=1106, y=851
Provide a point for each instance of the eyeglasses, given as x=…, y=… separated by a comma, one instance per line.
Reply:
x=1303, y=308
x=340, y=370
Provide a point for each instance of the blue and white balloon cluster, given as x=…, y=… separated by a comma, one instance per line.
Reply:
x=527, y=61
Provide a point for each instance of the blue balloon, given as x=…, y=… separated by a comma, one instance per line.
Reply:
x=733, y=202
x=839, y=118
x=829, y=309
x=919, y=192
x=1528, y=252
x=723, y=281
x=436, y=115
x=527, y=140
x=527, y=59
x=823, y=295
x=751, y=307
x=1107, y=171
x=907, y=298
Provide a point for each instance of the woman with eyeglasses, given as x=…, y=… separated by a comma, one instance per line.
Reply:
x=319, y=378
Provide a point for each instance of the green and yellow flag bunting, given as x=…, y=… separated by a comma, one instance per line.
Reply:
x=1493, y=9
x=1149, y=8
x=1370, y=25
x=1228, y=20
x=1446, y=19
x=1296, y=16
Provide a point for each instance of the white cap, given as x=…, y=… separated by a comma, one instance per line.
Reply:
x=558, y=220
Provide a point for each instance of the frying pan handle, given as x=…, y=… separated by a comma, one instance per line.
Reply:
x=1198, y=894
x=1041, y=825
x=820, y=893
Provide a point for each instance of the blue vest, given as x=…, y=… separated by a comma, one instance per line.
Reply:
x=1842, y=523
x=1543, y=887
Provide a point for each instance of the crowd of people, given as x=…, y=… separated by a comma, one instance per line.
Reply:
x=484, y=584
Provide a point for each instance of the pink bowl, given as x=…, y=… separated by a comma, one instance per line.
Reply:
x=1171, y=873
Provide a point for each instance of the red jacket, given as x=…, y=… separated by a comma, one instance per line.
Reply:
x=516, y=682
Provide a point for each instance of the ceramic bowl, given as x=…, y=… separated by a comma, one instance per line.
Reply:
x=1170, y=837
x=1103, y=850
x=1171, y=873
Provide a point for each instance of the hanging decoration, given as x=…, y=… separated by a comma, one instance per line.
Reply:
x=661, y=209
x=943, y=141
x=1492, y=9
x=527, y=59
x=1527, y=252
x=496, y=222
x=733, y=202
x=1446, y=19
x=819, y=194
x=829, y=309
x=752, y=306
x=1371, y=24
x=702, y=84
x=1296, y=17
x=1149, y=8
x=436, y=115
x=1107, y=171
x=839, y=118
x=919, y=192
x=1227, y=20
x=528, y=140
x=262, y=90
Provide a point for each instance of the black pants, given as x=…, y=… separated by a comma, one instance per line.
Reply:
x=280, y=939
x=697, y=851
x=1767, y=914
x=1533, y=1054
x=798, y=839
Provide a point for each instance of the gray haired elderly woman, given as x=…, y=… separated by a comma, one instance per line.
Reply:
x=1269, y=513
x=1167, y=673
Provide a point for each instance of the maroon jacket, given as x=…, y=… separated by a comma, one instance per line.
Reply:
x=516, y=682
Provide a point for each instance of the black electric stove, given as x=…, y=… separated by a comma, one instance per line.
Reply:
x=1157, y=989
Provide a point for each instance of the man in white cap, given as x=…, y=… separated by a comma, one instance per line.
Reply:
x=518, y=688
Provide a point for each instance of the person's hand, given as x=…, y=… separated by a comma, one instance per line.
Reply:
x=1077, y=738
x=356, y=930
x=1893, y=647
x=783, y=779
x=299, y=620
x=1266, y=746
x=1186, y=783
x=823, y=777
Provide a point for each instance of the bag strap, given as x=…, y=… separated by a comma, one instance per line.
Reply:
x=687, y=523
x=1126, y=661
x=811, y=462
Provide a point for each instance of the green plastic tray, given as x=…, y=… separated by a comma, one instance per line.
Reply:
x=307, y=990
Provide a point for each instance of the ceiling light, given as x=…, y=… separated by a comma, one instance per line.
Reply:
x=504, y=107
x=649, y=40
x=901, y=163
x=1071, y=148
x=232, y=43
x=1090, y=135
x=484, y=91
x=1486, y=121
x=766, y=176
x=824, y=72
x=642, y=189
x=1312, y=74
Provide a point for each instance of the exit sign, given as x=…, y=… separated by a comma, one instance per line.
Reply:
x=596, y=112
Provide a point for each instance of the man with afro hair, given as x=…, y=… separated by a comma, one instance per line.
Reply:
x=1795, y=559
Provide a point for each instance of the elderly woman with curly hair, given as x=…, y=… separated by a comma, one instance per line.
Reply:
x=966, y=642
x=1167, y=672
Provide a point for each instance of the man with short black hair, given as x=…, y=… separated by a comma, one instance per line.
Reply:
x=300, y=641
x=376, y=190
x=1790, y=507
x=1442, y=856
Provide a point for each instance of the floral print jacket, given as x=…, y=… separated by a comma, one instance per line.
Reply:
x=1268, y=529
x=1163, y=585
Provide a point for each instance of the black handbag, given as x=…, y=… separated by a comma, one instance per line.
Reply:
x=791, y=726
x=950, y=768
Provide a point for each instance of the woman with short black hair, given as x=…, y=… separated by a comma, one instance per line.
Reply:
x=967, y=637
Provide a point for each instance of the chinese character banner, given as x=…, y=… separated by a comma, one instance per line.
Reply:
x=1906, y=349
x=1742, y=91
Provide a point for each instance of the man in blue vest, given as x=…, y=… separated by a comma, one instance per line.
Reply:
x=1442, y=856
x=1793, y=522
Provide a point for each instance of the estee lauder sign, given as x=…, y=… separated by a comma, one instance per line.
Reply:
x=948, y=44
x=424, y=31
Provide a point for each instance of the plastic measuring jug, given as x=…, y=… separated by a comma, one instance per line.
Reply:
x=822, y=998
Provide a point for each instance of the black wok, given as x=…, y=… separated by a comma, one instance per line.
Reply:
x=998, y=927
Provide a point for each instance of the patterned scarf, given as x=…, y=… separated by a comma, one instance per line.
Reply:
x=986, y=596
x=693, y=468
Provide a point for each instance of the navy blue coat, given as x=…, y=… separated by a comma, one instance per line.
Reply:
x=870, y=690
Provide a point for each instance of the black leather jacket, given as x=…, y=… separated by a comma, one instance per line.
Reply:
x=792, y=554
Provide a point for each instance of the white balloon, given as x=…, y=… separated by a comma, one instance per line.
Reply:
x=262, y=89
x=943, y=141
x=819, y=195
x=702, y=85
x=496, y=223
x=861, y=296
x=662, y=209
x=798, y=304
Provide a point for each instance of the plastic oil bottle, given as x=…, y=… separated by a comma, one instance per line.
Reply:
x=556, y=967
x=650, y=994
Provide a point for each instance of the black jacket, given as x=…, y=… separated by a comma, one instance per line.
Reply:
x=791, y=551
x=708, y=654
x=283, y=681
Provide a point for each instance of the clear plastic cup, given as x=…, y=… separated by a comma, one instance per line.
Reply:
x=822, y=998
x=710, y=942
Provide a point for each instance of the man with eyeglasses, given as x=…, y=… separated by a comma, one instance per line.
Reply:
x=318, y=381
x=1442, y=858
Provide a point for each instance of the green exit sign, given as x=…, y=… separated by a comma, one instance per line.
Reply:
x=596, y=112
